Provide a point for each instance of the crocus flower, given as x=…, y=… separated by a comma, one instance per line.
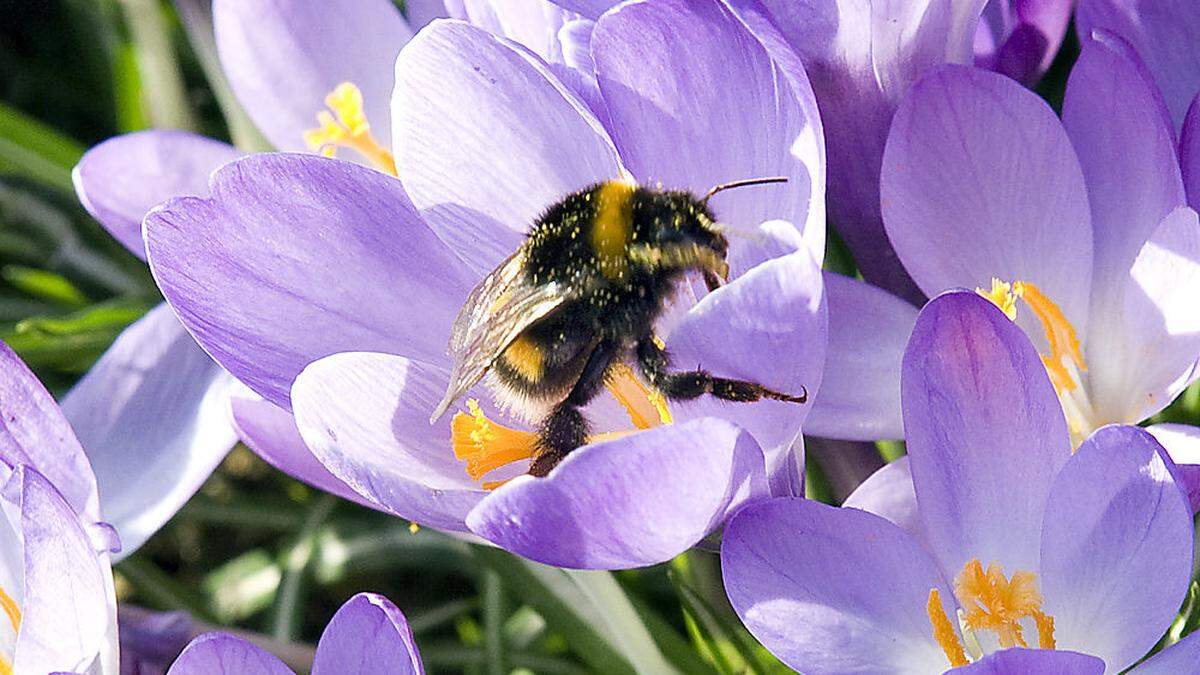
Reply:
x=294, y=258
x=1021, y=557
x=154, y=412
x=56, y=589
x=1078, y=229
x=367, y=635
x=863, y=55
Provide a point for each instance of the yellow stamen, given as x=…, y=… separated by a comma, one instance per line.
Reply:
x=943, y=630
x=490, y=485
x=647, y=408
x=5, y=667
x=996, y=603
x=349, y=129
x=1060, y=334
x=485, y=445
x=11, y=609
x=414, y=528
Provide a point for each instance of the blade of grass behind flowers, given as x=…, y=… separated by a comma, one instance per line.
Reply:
x=34, y=150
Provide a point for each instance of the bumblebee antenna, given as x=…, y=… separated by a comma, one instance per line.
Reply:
x=742, y=183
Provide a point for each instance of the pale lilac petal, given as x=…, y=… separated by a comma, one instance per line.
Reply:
x=68, y=611
x=121, y=179
x=696, y=100
x=980, y=181
x=860, y=390
x=533, y=23
x=282, y=57
x=296, y=257
x=1189, y=153
x=486, y=138
x=805, y=579
x=1021, y=661
x=1122, y=134
x=985, y=431
x=591, y=9
x=420, y=13
x=34, y=432
x=635, y=501
x=1161, y=336
x=1182, y=443
x=1178, y=658
x=767, y=326
x=223, y=654
x=366, y=418
x=1020, y=38
x=1114, y=520
x=861, y=57
x=153, y=417
x=367, y=636
x=270, y=431
x=889, y=494
x=1164, y=33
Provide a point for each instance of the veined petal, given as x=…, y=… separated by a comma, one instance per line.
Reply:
x=1189, y=153
x=889, y=494
x=591, y=9
x=697, y=100
x=283, y=57
x=1020, y=38
x=1174, y=659
x=482, y=130
x=1182, y=443
x=366, y=418
x=213, y=653
x=367, y=636
x=986, y=434
x=533, y=23
x=980, y=182
x=860, y=390
x=153, y=416
x=296, y=257
x=802, y=575
x=639, y=500
x=121, y=179
x=1020, y=661
x=1114, y=519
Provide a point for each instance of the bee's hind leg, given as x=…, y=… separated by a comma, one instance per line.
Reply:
x=689, y=384
x=565, y=428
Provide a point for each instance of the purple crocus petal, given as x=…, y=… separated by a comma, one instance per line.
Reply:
x=1189, y=153
x=1161, y=328
x=1122, y=133
x=534, y=24
x=1019, y=38
x=1178, y=658
x=980, y=181
x=121, y=179
x=861, y=57
x=802, y=576
x=153, y=417
x=1020, y=661
x=214, y=653
x=860, y=393
x=985, y=431
x=889, y=494
x=367, y=636
x=591, y=9
x=366, y=418
x=480, y=128
x=1164, y=33
x=34, y=432
x=68, y=613
x=296, y=257
x=1182, y=443
x=282, y=57
x=696, y=100
x=741, y=330
x=421, y=12
x=635, y=501
x=270, y=431
x=1114, y=519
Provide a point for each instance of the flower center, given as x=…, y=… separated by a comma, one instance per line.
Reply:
x=13, y=612
x=1064, y=363
x=486, y=445
x=992, y=602
x=347, y=127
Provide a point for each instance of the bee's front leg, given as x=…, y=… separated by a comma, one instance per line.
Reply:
x=689, y=384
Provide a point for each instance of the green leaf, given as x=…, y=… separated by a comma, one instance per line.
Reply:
x=45, y=285
x=73, y=342
x=731, y=647
x=243, y=586
x=32, y=149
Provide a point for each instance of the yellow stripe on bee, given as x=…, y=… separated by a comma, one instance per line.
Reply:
x=525, y=357
x=613, y=228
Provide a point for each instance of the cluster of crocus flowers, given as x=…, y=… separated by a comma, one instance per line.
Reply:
x=1011, y=554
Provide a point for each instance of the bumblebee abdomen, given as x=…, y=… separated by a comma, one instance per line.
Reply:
x=541, y=365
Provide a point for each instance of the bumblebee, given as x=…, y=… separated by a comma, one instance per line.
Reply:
x=581, y=294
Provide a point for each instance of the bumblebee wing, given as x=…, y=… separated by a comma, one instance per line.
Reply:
x=491, y=321
x=487, y=295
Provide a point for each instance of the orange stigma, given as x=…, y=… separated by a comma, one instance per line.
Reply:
x=347, y=127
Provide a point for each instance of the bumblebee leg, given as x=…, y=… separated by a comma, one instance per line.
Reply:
x=686, y=385
x=565, y=428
